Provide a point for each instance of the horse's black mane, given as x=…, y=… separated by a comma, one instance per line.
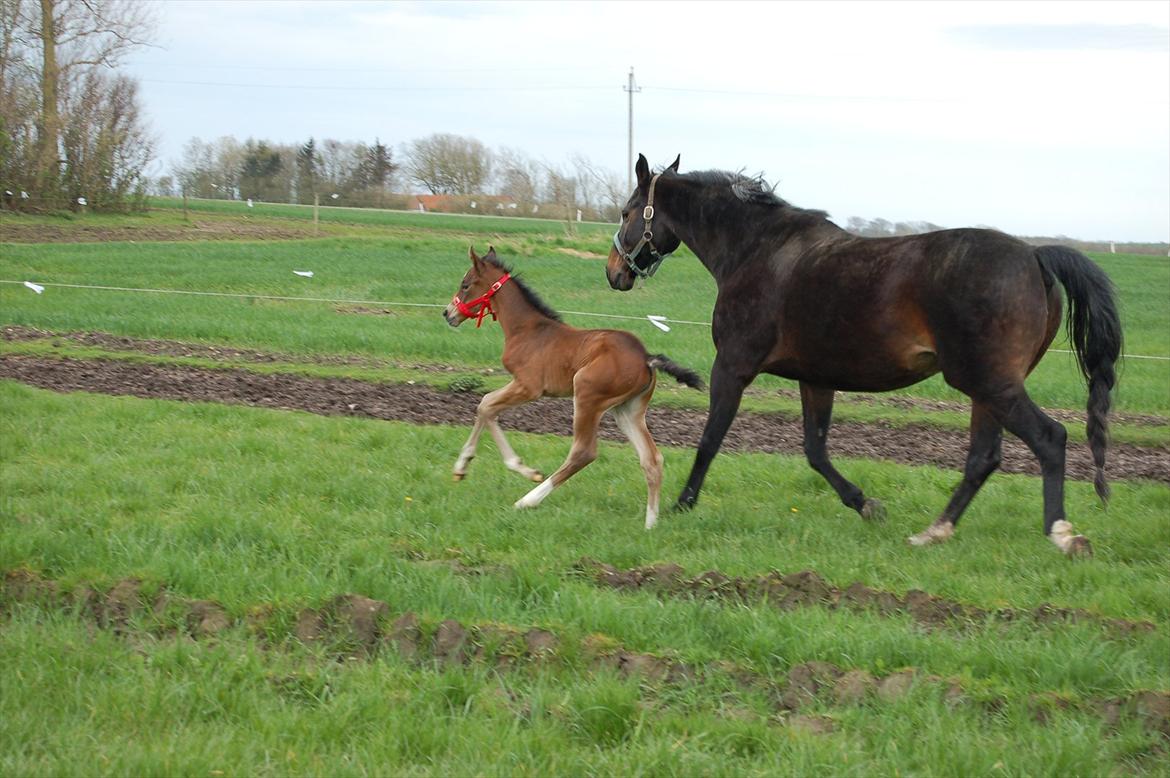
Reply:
x=749, y=189
x=532, y=297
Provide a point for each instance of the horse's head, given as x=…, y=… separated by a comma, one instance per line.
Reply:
x=479, y=285
x=641, y=241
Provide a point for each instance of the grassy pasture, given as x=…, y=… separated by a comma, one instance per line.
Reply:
x=252, y=507
x=276, y=511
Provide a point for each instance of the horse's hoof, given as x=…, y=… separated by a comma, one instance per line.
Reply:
x=684, y=506
x=458, y=476
x=1079, y=547
x=935, y=533
x=873, y=510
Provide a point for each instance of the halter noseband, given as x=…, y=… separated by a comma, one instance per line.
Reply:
x=484, y=301
x=646, y=240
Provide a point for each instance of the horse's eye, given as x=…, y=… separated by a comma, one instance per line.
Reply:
x=625, y=215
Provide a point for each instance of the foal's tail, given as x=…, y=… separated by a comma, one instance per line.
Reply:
x=1094, y=329
x=684, y=376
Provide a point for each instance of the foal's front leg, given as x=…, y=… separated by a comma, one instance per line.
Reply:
x=587, y=414
x=492, y=404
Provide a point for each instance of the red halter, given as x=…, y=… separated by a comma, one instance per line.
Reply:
x=484, y=301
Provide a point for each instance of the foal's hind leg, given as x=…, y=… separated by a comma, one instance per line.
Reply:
x=817, y=407
x=490, y=406
x=586, y=418
x=631, y=418
x=983, y=457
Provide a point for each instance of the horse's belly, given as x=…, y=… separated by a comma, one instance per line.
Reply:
x=859, y=372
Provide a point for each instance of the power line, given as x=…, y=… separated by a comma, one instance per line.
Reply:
x=337, y=88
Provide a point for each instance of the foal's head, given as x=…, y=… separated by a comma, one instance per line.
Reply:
x=642, y=239
x=479, y=284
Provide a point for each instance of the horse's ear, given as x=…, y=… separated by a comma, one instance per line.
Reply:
x=674, y=165
x=642, y=171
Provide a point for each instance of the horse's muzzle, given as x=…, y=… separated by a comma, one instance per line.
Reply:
x=616, y=272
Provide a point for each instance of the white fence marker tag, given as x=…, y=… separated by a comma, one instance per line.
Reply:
x=657, y=321
x=305, y=273
x=35, y=287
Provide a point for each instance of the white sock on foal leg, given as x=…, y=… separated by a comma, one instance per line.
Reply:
x=536, y=496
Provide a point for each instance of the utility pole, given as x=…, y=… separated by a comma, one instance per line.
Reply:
x=630, y=154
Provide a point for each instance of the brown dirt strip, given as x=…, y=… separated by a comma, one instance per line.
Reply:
x=808, y=589
x=109, y=342
x=352, y=626
x=910, y=444
x=14, y=231
x=177, y=348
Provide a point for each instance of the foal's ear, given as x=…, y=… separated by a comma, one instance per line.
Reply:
x=474, y=257
x=674, y=165
x=642, y=171
x=491, y=253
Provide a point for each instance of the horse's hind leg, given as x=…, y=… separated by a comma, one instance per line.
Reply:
x=1047, y=438
x=631, y=418
x=817, y=407
x=983, y=457
x=490, y=406
x=586, y=418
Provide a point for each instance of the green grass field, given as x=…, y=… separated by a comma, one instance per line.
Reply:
x=271, y=512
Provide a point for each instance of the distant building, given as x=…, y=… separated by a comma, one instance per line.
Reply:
x=460, y=203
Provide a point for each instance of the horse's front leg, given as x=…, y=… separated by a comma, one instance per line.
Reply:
x=816, y=405
x=727, y=387
x=492, y=404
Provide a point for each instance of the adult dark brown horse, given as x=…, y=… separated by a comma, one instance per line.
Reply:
x=602, y=370
x=801, y=298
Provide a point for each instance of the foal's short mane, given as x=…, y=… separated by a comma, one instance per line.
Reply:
x=749, y=189
x=532, y=297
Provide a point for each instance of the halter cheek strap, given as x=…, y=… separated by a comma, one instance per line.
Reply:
x=484, y=302
x=646, y=240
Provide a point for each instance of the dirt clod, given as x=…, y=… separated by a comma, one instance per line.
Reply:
x=206, y=618
x=451, y=643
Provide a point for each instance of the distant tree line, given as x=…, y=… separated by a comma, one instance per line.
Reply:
x=881, y=228
x=355, y=173
x=71, y=127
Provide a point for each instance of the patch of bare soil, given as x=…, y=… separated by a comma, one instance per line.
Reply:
x=806, y=588
x=580, y=253
x=356, y=627
x=175, y=348
x=221, y=229
x=911, y=444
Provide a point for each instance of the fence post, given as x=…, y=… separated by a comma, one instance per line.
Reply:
x=316, y=209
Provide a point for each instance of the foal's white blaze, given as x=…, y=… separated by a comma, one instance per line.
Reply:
x=536, y=496
x=939, y=532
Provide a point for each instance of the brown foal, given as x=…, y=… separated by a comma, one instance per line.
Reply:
x=601, y=369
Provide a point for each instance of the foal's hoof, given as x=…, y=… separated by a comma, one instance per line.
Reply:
x=873, y=510
x=1079, y=547
x=458, y=476
x=536, y=477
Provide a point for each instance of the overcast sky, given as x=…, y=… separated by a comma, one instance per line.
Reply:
x=1036, y=118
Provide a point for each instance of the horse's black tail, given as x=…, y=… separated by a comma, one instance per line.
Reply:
x=682, y=374
x=1094, y=329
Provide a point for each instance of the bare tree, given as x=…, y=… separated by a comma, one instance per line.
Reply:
x=50, y=49
x=604, y=190
x=449, y=164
